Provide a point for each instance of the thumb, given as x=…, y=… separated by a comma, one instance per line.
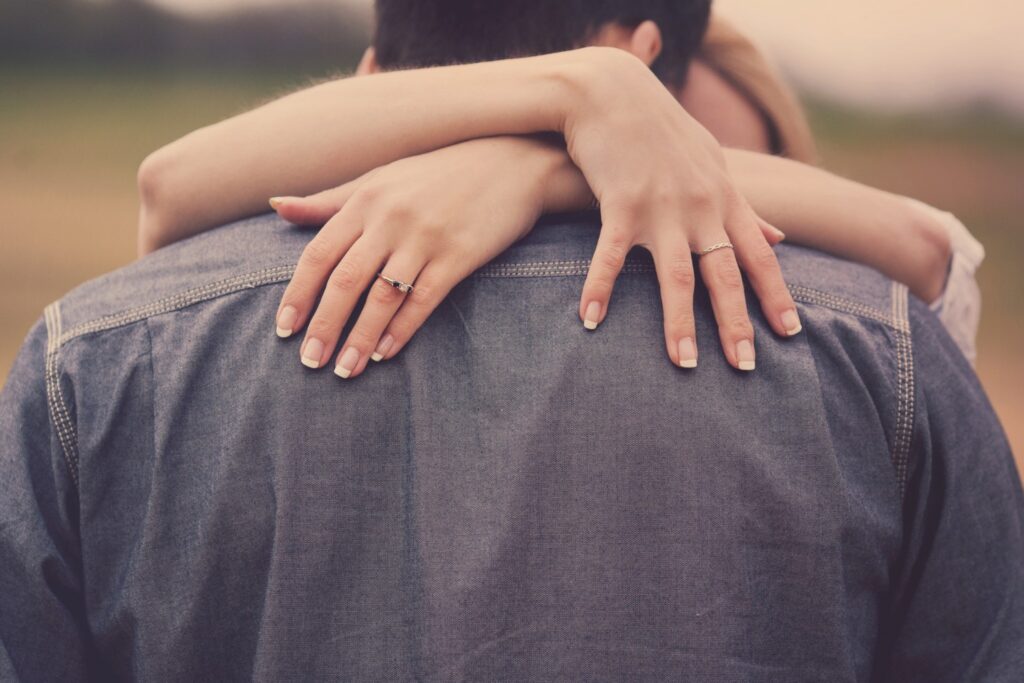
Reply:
x=772, y=234
x=316, y=209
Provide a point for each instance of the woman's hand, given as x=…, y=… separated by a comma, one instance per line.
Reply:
x=431, y=216
x=428, y=220
x=662, y=183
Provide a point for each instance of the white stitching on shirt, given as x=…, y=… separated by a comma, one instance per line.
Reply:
x=580, y=267
x=904, y=386
x=897, y=320
x=58, y=408
x=184, y=299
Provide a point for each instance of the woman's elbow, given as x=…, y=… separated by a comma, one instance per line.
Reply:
x=933, y=254
x=152, y=181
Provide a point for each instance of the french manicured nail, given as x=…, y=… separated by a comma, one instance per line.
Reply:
x=276, y=203
x=791, y=322
x=347, y=363
x=687, y=354
x=382, y=348
x=286, y=322
x=312, y=353
x=745, y=355
x=592, y=315
x=779, y=235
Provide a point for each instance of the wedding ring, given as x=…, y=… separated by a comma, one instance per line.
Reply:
x=716, y=247
x=403, y=287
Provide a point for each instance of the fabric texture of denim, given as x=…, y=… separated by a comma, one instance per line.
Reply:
x=512, y=498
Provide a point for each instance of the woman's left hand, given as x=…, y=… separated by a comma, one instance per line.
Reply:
x=418, y=221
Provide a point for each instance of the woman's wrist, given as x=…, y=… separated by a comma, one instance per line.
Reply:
x=553, y=183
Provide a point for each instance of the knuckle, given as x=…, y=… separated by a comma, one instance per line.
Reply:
x=680, y=272
x=700, y=198
x=345, y=278
x=400, y=211
x=323, y=328
x=737, y=325
x=680, y=322
x=361, y=338
x=628, y=200
x=762, y=258
x=662, y=195
x=317, y=254
x=402, y=327
x=367, y=193
x=381, y=293
x=729, y=279
x=423, y=294
x=612, y=255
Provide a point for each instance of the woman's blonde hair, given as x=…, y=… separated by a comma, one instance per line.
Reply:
x=736, y=59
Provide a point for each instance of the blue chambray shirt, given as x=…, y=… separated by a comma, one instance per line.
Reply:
x=511, y=499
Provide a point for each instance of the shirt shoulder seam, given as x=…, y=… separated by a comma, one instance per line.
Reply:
x=174, y=302
x=904, y=428
x=60, y=416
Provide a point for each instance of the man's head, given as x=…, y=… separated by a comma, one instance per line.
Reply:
x=418, y=33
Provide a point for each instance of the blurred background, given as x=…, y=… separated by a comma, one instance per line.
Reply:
x=920, y=97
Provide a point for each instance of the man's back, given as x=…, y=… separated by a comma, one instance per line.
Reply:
x=511, y=498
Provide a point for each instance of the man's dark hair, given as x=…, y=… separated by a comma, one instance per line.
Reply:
x=421, y=33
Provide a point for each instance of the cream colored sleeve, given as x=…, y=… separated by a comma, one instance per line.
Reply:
x=959, y=305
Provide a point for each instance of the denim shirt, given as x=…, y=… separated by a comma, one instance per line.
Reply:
x=512, y=498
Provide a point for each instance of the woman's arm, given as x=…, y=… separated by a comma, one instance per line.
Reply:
x=905, y=240
x=660, y=176
x=334, y=132
x=506, y=183
x=821, y=210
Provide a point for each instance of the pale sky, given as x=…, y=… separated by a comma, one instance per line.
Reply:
x=894, y=53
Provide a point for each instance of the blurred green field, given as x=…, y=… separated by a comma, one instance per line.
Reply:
x=70, y=144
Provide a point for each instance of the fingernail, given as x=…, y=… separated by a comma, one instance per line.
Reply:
x=592, y=316
x=286, y=321
x=687, y=354
x=312, y=353
x=745, y=355
x=791, y=322
x=382, y=348
x=276, y=202
x=779, y=235
x=347, y=363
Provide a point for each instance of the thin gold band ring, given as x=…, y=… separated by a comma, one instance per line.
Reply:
x=716, y=247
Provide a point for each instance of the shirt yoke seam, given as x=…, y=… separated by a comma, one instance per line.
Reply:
x=897, y=320
x=277, y=274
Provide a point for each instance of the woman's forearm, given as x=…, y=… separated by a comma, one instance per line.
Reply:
x=336, y=131
x=821, y=210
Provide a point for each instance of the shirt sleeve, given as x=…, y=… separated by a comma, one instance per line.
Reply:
x=959, y=305
x=43, y=635
x=956, y=611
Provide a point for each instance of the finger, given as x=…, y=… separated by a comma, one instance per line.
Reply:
x=318, y=259
x=382, y=303
x=674, y=265
x=722, y=276
x=771, y=234
x=316, y=209
x=436, y=280
x=344, y=287
x=613, y=246
x=761, y=266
